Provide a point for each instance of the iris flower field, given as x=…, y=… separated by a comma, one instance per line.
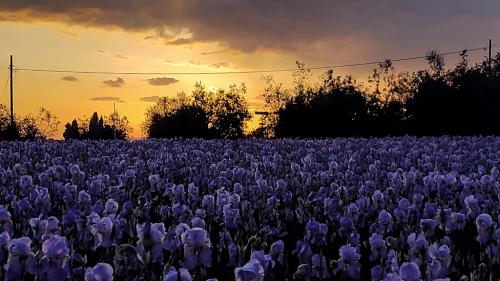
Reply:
x=401, y=208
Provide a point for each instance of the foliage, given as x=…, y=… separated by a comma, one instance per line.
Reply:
x=99, y=128
x=434, y=101
x=42, y=126
x=72, y=131
x=47, y=123
x=203, y=114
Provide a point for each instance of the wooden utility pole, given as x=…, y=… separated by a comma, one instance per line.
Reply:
x=489, y=55
x=11, y=94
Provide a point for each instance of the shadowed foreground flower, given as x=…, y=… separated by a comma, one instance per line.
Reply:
x=157, y=234
x=5, y=221
x=276, y=251
x=21, y=260
x=177, y=275
x=102, y=232
x=303, y=272
x=55, y=261
x=251, y=271
x=319, y=268
x=409, y=271
x=348, y=264
x=483, y=224
x=100, y=272
x=349, y=253
x=197, y=248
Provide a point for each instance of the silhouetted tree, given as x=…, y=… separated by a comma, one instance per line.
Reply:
x=388, y=95
x=435, y=101
x=275, y=98
x=338, y=108
x=72, y=131
x=101, y=129
x=47, y=123
x=28, y=128
x=230, y=112
x=93, y=129
x=187, y=121
x=42, y=126
x=202, y=114
x=462, y=101
x=4, y=122
x=7, y=132
x=119, y=125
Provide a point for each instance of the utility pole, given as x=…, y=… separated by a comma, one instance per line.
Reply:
x=11, y=95
x=489, y=56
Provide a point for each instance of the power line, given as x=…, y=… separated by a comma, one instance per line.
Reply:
x=240, y=72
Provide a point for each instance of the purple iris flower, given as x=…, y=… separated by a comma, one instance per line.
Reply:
x=303, y=251
x=483, y=225
x=111, y=207
x=21, y=259
x=100, y=272
x=69, y=218
x=348, y=264
x=25, y=181
x=377, y=244
x=441, y=259
x=200, y=213
x=177, y=275
x=232, y=251
x=251, y=271
x=158, y=234
x=102, y=230
x=276, y=251
x=416, y=241
x=197, y=248
x=197, y=222
x=319, y=268
x=349, y=254
x=38, y=227
x=5, y=221
x=409, y=271
x=55, y=261
x=154, y=180
x=231, y=216
x=53, y=225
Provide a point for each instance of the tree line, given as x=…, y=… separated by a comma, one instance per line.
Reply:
x=463, y=100
x=203, y=114
x=98, y=128
x=43, y=125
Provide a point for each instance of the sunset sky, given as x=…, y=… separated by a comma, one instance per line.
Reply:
x=214, y=36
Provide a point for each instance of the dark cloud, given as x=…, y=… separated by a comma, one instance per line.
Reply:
x=279, y=24
x=118, y=83
x=162, y=81
x=70, y=78
x=150, y=99
x=117, y=99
